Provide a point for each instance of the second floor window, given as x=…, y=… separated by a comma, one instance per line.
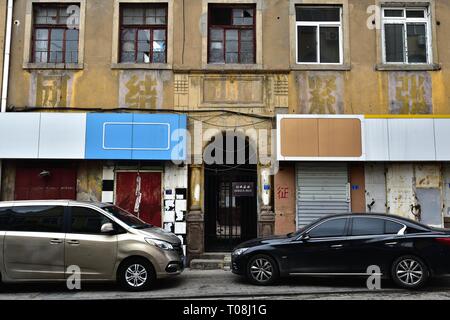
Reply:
x=319, y=34
x=406, y=35
x=231, y=37
x=54, y=41
x=143, y=34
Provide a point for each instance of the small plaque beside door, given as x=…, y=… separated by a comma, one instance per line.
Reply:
x=243, y=189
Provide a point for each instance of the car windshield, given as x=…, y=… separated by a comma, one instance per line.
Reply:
x=126, y=217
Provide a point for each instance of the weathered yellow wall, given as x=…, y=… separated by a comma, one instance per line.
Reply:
x=359, y=90
x=362, y=89
x=3, y=8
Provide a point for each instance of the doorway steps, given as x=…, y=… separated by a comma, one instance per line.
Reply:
x=212, y=261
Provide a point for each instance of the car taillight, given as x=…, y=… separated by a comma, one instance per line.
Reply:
x=443, y=241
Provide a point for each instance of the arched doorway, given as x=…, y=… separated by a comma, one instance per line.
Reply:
x=230, y=194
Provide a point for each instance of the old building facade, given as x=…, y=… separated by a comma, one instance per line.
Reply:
x=98, y=88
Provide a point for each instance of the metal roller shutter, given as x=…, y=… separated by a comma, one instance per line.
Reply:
x=322, y=189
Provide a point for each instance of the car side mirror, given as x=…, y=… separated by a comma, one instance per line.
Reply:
x=107, y=228
x=305, y=237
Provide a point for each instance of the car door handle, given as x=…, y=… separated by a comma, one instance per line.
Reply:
x=56, y=241
x=336, y=246
x=73, y=242
x=390, y=244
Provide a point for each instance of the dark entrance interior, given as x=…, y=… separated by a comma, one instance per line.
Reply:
x=230, y=198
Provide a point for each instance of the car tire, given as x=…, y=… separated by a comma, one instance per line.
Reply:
x=410, y=272
x=136, y=275
x=262, y=270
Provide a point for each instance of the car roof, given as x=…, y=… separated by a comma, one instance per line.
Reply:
x=379, y=215
x=60, y=202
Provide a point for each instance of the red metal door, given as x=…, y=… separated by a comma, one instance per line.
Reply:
x=149, y=206
x=43, y=183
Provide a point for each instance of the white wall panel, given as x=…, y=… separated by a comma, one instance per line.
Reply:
x=411, y=140
x=62, y=136
x=375, y=187
x=19, y=135
x=376, y=140
x=442, y=133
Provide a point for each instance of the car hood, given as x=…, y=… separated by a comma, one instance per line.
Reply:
x=160, y=234
x=265, y=240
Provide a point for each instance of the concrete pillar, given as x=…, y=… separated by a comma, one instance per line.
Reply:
x=195, y=217
x=266, y=218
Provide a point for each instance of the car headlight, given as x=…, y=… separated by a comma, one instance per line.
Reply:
x=159, y=243
x=240, y=251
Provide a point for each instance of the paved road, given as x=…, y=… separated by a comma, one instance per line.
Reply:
x=224, y=285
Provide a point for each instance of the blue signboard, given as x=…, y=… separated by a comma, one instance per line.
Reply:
x=135, y=136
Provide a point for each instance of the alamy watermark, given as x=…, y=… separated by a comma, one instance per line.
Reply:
x=73, y=281
x=374, y=280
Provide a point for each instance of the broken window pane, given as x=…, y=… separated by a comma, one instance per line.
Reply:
x=159, y=46
x=307, y=44
x=394, y=42
x=242, y=17
x=151, y=36
x=231, y=34
x=417, y=43
x=220, y=16
x=329, y=45
x=56, y=43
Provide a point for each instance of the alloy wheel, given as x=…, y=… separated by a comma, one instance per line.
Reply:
x=409, y=272
x=136, y=275
x=261, y=270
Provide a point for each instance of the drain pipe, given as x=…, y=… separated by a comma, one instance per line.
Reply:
x=6, y=58
x=5, y=82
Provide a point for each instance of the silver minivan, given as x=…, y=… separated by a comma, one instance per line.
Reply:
x=56, y=240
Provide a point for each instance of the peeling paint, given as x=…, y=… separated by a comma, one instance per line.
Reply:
x=8, y=181
x=51, y=88
x=410, y=93
x=428, y=176
x=141, y=89
x=400, y=193
x=89, y=181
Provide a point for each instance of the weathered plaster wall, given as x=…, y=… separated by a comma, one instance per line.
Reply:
x=361, y=89
x=89, y=181
x=285, y=198
x=354, y=88
x=8, y=181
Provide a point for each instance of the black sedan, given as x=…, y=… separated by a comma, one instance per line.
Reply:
x=408, y=252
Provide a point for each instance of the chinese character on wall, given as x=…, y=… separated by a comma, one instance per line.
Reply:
x=410, y=93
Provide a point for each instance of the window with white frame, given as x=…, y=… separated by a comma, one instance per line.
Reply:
x=406, y=35
x=319, y=34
